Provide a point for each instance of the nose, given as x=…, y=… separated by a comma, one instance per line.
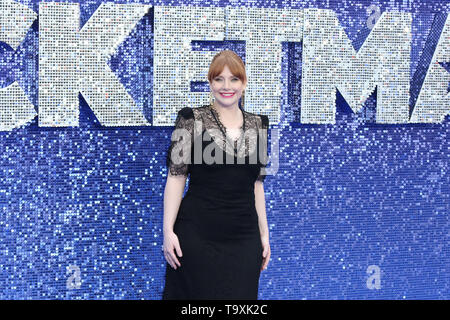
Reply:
x=227, y=84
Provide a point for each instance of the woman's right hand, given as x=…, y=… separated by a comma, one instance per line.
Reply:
x=170, y=243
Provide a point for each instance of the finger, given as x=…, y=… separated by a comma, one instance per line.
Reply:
x=178, y=249
x=174, y=258
x=263, y=264
x=266, y=260
x=170, y=260
x=265, y=251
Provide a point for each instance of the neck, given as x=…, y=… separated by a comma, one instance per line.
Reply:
x=227, y=112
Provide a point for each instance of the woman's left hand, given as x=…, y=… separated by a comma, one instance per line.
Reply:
x=266, y=252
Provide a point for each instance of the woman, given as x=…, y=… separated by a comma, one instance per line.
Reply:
x=216, y=239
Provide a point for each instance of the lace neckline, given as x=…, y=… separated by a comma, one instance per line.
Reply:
x=246, y=141
x=221, y=125
x=223, y=129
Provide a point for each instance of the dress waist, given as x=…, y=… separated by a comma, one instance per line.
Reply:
x=219, y=214
x=241, y=196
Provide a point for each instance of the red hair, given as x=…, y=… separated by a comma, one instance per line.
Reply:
x=227, y=58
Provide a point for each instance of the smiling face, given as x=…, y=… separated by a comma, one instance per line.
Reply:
x=227, y=89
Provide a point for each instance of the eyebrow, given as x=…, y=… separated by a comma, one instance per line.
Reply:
x=222, y=77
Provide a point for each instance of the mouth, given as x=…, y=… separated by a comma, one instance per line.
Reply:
x=227, y=95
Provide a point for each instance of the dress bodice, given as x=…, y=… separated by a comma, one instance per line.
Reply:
x=201, y=126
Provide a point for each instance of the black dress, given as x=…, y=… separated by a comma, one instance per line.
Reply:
x=217, y=222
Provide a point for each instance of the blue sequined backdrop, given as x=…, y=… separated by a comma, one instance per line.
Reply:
x=347, y=196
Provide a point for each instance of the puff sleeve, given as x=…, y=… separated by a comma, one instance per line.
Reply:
x=179, y=153
x=263, y=142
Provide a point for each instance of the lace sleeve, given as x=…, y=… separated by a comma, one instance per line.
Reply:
x=264, y=142
x=179, y=152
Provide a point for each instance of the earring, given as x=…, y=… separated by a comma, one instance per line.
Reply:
x=211, y=99
x=242, y=100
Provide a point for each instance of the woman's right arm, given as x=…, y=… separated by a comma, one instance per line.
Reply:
x=176, y=182
x=173, y=194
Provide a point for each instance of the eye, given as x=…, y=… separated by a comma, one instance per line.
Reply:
x=220, y=79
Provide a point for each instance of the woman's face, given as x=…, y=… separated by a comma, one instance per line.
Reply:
x=227, y=89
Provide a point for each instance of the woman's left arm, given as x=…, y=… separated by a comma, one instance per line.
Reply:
x=260, y=204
